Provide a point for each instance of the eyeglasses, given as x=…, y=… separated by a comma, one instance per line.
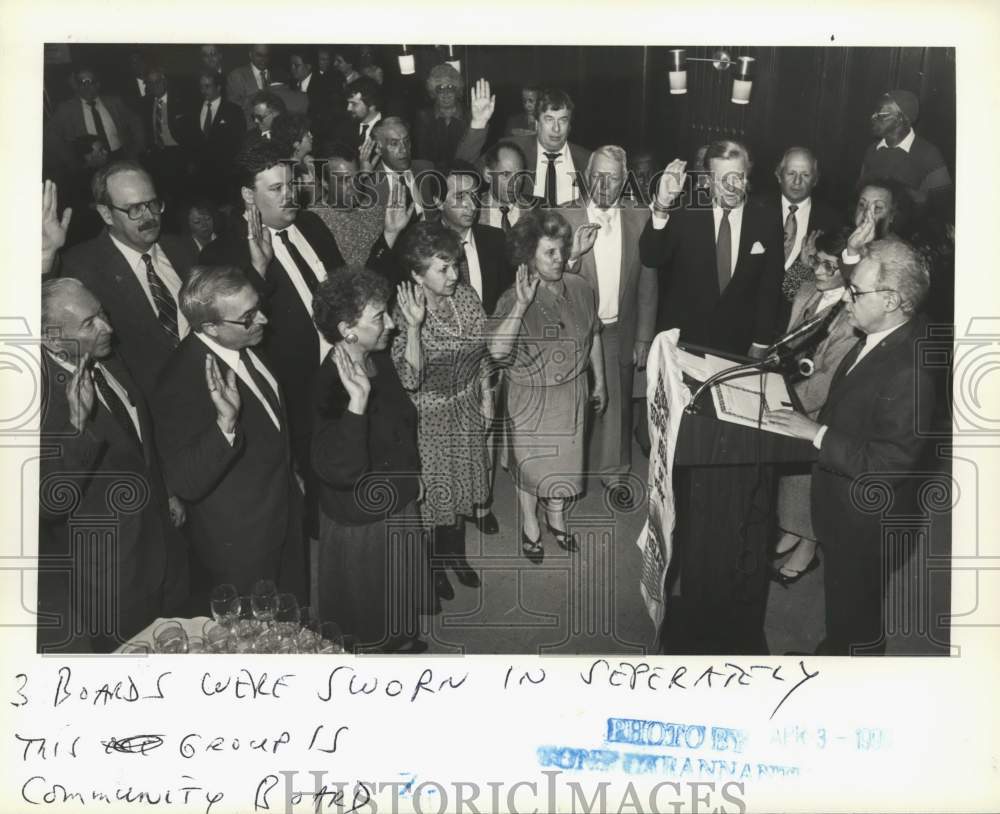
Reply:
x=89, y=81
x=136, y=210
x=856, y=292
x=884, y=114
x=440, y=88
x=247, y=322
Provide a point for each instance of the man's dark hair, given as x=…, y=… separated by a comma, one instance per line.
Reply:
x=492, y=156
x=368, y=88
x=84, y=145
x=349, y=53
x=255, y=158
x=205, y=73
x=265, y=97
x=305, y=52
x=552, y=99
x=287, y=129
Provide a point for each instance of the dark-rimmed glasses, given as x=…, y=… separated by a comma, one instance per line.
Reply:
x=856, y=292
x=136, y=210
x=247, y=322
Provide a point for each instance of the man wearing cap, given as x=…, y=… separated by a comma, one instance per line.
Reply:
x=904, y=156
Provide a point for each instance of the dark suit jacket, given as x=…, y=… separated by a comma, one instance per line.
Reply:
x=498, y=275
x=373, y=188
x=290, y=341
x=822, y=216
x=872, y=416
x=638, y=286
x=67, y=123
x=178, y=117
x=684, y=251
x=244, y=506
x=224, y=136
x=240, y=88
x=141, y=341
x=99, y=475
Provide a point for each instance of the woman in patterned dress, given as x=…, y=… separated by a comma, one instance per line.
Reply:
x=548, y=338
x=450, y=395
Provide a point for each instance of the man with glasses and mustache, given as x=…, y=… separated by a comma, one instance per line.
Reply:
x=133, y=271
x=868, y=427
x=222, y=429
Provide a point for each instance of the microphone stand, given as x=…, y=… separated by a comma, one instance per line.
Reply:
x=771, y=362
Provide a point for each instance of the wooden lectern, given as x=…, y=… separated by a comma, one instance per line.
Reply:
x=725, y=482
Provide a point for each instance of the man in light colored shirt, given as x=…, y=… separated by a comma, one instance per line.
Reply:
x=627, y=294
x=364, y=106
x=397, y=174
x=868, y=432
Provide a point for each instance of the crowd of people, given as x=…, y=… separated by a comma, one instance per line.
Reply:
x=277, y=314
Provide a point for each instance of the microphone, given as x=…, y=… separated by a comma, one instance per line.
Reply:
x=807, y=328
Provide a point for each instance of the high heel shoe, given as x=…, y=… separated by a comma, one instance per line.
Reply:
x=442, y=586
x=775, y=554
x=567, y=541
x=532, y=549
x=784, y=580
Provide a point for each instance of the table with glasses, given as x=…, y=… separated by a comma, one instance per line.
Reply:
x=266, y=621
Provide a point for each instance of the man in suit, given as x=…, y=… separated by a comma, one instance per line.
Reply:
x=364, y=109
x=552, y=162
x=317, y=89
x=133, y=88
x=721, y=260
x=165, y=115
x=799, y=212
x=626, y=304
x=134, y=272
x=210, y=59
x=223, y=431
x=215, y=130
x=98, y=114
x=99, y=464
x=286, y=252
x=506, y=196
x=243, y=82
x=397, y=175
x=868, y=427
x=265, y=107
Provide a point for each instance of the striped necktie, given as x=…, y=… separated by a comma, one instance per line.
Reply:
x=166, y=306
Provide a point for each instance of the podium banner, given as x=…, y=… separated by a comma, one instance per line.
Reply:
x=667, y=396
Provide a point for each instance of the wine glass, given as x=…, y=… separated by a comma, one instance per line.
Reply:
x=217, y=637
x=332, y=638
x=264, y=600
x=286, y=616
x=170, y=637
x=225, y=604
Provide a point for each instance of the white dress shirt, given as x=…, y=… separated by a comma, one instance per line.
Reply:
x=164, y=270
x=141, y=84
x=607, y=259
x=871, y=342
x=232, y=358
x=565, y=175
x=472, y=260
x=904, y=145
x=288, y=264
x=371, y=126
x=258, y=77
x=214, y=106
x=801, y=225
x=393, y=178
x=490, y=214
x=304, y=84
x=114, y=140
x=116, y=387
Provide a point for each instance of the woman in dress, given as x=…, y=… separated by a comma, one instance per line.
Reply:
x=547, y=339
x=364, y=452
x=826, y=348
x=450, y=388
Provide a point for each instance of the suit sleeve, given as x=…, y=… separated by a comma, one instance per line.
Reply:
x=649, y=298
x=472, y=143
x=657, y=246
x=893, y=445
x=769, y=290
x=195, y=454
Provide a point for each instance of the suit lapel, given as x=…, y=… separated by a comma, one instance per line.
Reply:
x=747, y=232
x=126, y=283
x=630, y=247
x=861, y=375
x=121, y=374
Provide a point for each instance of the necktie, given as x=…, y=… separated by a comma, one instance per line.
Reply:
x=166, y=306
x=724, y=252
x=550, y=179
x=265, y=79
x=114, y=404
x=364, y=133
x=463, y=265
x=158, y=123
x=207, y=124
x=262, y=384
x=849, y=360
x=99, y=123
x=300, y=262
x=791, y=227
x=504, y=220
x=407, y=195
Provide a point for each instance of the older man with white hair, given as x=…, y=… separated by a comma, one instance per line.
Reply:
x=606, y=240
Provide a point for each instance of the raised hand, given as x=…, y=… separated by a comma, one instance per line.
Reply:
x=356, y=381
x=481, y=105
x=80, y=394
x=225, y=395
x=397, y=216
x=671, y=183
x=369, y=156
x=525, y=287
x=413, y=303
x=584, y=239
x=863, y=234
x=259, y=241
x=53, y=227
x=808, y=250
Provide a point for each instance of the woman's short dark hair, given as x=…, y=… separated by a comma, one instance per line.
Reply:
x=424, y=241
x=833, y=243
x=531, y=227
x=287, y=129
x=902, y=209
x=342, y=297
